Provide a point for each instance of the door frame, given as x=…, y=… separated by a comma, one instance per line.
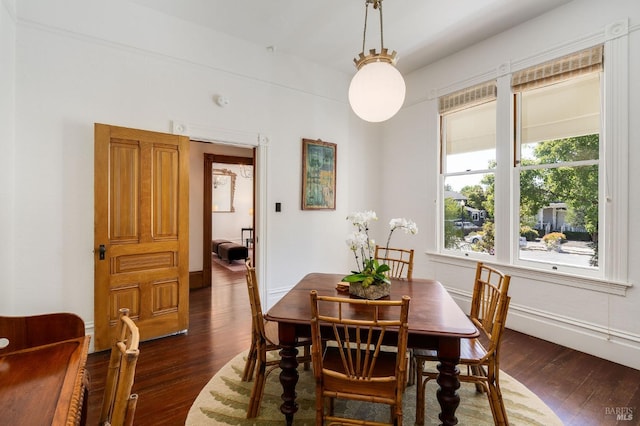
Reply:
x=207, y=227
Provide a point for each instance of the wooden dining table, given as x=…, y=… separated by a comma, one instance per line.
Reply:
x=436, y=322
x=44, y=385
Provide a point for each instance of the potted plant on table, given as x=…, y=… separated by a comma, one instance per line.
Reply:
x=370, y=280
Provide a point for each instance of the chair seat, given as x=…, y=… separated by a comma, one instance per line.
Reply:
x=271, y=333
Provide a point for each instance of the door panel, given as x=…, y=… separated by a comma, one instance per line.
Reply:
x=142, y=219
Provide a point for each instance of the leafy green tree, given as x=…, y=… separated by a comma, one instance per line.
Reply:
x=575, y=186
x=476, y=196
x=451, y=213
x=489, y=182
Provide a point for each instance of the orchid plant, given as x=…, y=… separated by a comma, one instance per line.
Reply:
x=370, y=271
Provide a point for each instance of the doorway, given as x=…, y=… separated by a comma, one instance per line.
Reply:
x=228, y=205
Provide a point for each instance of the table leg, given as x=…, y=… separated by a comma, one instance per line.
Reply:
x=288, y=376
x=449, y=357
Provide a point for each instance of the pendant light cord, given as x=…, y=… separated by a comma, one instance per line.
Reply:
x=377, y=4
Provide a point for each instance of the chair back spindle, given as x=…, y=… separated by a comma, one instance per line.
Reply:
x=400, y=261
x=118, y=405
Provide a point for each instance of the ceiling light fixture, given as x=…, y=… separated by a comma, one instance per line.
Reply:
x=377, y=90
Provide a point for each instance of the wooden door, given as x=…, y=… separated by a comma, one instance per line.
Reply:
x=141, y=231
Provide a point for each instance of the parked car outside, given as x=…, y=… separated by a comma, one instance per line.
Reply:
x=473, y=238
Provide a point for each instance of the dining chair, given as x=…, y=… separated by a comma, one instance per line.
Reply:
x=22, y=332
x=119, y=404
x=264, y=339
x=481, y=356
x=401, y=263
x=351, y=365
x=399, y=260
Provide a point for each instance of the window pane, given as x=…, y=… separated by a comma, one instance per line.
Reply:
x=468, y=213
x=559, y=215
x=562, y=110
x=470, y=138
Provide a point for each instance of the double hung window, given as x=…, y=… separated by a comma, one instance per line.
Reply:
x=555, y=179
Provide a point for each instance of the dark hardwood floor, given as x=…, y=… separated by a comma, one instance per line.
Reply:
x=579, y=388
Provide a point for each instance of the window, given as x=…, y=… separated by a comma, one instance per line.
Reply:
x=558, y=172
x=544, y=207
x=468, y=160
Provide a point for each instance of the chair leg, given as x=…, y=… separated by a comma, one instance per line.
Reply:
x=307, y=354
x=420, y=390
x=497, y=405
x=412, y=369
x=478, y=370
x=250, y=365
x=319, y=408
x=258, y=388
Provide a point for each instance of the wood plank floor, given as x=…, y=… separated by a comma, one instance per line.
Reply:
x=172, y=370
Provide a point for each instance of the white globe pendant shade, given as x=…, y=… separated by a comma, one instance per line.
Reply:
x=377, y=91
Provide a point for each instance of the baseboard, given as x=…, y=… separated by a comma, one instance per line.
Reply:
x=595, y=339
x=196, y=280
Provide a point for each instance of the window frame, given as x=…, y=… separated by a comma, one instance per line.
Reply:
x=516, y=172
x=443, y=175
x=613, y=210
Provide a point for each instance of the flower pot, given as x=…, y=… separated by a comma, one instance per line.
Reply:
x=372, y=292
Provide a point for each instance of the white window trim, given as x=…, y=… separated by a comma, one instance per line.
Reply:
x=615, y=132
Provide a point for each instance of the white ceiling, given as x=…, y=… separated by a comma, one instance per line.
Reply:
x=330, y=31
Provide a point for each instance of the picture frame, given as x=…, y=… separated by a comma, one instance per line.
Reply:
x=319, y=160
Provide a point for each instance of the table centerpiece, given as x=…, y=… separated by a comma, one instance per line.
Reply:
x=370, y=280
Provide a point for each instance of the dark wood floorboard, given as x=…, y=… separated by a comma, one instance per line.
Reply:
x=171, y=371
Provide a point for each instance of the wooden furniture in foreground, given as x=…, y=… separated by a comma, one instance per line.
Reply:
x=352, y=365
x=523, y=357
x=119, y=405
x=436, y=322
x=401, y=263
x=489, y=307
x=37, y=330
x=44, y=384
x=399, y=260
x=264, y=338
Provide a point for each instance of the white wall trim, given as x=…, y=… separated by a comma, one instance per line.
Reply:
x=610, y=344
x=63, y=32
x=609, y=32
x=206, y=133
x=530, y=274
x=242, y=138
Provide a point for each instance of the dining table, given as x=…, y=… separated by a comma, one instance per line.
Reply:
x=44, y=385
x=436, y=322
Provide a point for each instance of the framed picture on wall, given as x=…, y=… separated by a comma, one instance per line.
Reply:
x=318, y=175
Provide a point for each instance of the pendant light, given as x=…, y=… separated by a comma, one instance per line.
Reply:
x=377, y=90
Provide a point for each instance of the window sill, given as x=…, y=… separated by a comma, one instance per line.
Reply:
x=586, y=283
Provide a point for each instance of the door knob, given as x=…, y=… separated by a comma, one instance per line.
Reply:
x=102, y=250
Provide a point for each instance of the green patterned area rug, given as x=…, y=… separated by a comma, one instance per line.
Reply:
x=224, y=401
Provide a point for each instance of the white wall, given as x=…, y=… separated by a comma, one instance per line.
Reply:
x=7, y=120
x=114, y=62
x=593, y=321
x=228, y=225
